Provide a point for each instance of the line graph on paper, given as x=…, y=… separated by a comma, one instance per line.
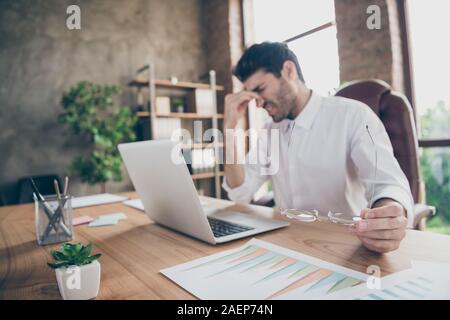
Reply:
x=261, y=270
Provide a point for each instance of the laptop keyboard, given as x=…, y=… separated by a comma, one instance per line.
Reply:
x=221, y=228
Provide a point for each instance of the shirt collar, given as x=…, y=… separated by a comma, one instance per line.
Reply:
x=306, y=117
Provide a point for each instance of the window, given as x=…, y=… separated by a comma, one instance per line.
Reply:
x=428, y=25
x=431, y=63
x=317, y=52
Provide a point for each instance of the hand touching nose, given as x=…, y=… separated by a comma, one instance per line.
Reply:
x=235, y=106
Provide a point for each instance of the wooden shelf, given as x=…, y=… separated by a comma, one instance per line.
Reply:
x=179, y=85
x=187, y=90
x=205, y=175
x=181, y=115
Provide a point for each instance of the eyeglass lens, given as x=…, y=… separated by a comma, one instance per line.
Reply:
x=343, y=218
x=302, y=215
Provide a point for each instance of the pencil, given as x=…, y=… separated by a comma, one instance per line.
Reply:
x=55, y=183
x=66, y=185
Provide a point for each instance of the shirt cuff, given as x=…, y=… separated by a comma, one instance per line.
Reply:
x=239, y=194
x=402, y=197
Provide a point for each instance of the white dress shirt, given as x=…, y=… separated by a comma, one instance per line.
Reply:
x=327, y=161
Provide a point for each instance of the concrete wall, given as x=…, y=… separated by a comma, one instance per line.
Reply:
x=40, y=59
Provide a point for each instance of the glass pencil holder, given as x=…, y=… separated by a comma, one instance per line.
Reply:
x=53, y=217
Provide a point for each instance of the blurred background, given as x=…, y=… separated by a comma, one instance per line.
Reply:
x=47, y=70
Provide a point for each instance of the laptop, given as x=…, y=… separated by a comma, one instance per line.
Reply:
x=160, y=176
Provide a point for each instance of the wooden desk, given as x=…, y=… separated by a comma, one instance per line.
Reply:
x=136, y=249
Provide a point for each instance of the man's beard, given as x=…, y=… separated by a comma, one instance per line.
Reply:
x=284, y=104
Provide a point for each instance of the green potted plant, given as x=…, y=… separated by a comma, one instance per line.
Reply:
x=77, y=272
x=92, y=115
x=178, y=104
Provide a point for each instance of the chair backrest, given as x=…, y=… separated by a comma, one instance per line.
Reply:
x=396, y=113
x=3, y=201
x=44, y=183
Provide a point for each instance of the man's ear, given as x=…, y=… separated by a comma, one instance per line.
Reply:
x=289, y=71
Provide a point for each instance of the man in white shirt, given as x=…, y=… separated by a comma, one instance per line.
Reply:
x=334, y=153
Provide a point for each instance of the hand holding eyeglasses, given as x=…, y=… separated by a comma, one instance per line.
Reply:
x=382, y=229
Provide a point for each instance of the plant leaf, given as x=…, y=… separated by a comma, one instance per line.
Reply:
x=95, y=256
x=59, y=256
x=73, y=254
x=67, y=249
x=86, y=250
x=77, y=247
x=92, y=258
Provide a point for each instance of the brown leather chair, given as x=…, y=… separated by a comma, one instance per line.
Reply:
x=397, y=116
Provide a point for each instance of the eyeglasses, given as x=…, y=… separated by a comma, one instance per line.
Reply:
x=335, y=217
x=313, y=215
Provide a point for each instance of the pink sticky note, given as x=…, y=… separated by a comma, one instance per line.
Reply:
x=81, y=220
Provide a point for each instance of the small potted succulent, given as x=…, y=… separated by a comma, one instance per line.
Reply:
x=77, y=272
x=178, y=104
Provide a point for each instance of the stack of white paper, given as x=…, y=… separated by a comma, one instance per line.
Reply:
x=134, y=203
x=96, y=199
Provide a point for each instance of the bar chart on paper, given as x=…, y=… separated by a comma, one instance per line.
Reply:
x=415, y=288
x=261, y=270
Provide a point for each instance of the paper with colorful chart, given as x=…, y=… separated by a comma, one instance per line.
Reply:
x=261, y=270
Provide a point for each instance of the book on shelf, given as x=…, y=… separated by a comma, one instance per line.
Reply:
x=203, y=100
x=164, y=127
x=162, y=105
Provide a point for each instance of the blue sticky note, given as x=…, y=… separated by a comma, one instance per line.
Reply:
x=117, y=216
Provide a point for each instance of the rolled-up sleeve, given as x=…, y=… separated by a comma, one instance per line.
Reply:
x=252, y=182
x=376, y=165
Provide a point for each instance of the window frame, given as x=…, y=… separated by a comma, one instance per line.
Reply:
x=405, y=32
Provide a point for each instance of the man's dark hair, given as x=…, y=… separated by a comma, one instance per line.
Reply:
x=266, y=56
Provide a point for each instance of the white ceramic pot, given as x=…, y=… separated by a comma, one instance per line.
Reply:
x=79, y=283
